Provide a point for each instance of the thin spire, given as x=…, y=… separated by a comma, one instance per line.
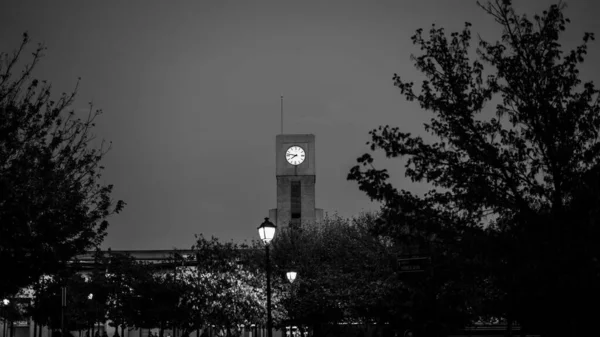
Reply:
x=282, y=114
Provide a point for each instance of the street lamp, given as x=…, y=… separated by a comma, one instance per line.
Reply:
x=266, y=231
x=195, y=309
x=5, y=303
x=291, y=276
x=91, y=328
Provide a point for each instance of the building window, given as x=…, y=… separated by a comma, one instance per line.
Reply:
x=295, y=207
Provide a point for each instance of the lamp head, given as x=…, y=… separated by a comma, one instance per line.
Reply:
x=266, y=231
x=90, y=296
x=291, y=276
x=6, y=301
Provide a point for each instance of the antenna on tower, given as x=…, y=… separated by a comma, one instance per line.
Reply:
x=282, y=114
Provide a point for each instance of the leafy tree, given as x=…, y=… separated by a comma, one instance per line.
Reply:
x=508, y=191
x=160, y=300
x=299, y=248
x=51, y=204
x=346, y=274
x=180, y=293
x=225, y=286
x=47, y=306
x=120, y=280
x=15, y=310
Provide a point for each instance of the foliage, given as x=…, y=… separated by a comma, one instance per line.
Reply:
x=51, y=204
x=47, y=306
x=346, y=274
x=121, y=274
x=16, y=309
x=160, y=301
x=224, y=273
x=219, y=284
x=507, y=191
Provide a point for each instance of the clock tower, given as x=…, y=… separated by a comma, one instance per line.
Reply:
x=295, y=172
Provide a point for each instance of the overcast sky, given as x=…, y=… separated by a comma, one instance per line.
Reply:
x=190, y=93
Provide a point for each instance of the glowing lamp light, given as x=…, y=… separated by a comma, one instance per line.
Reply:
x=90, y=296
x=266, y=231
x=5, y=301
x=291, y=276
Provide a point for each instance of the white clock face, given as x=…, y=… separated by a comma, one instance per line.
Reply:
x=295, y=155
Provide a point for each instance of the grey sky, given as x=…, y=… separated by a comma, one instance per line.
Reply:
x=190, y=92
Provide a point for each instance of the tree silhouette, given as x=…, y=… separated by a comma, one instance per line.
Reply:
x=514, y=192
x=52, y=206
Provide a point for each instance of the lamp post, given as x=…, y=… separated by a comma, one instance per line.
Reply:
x=62, y=310
x=291, y=276
x=91, y=328
x=266, y=231
x=5, y=303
